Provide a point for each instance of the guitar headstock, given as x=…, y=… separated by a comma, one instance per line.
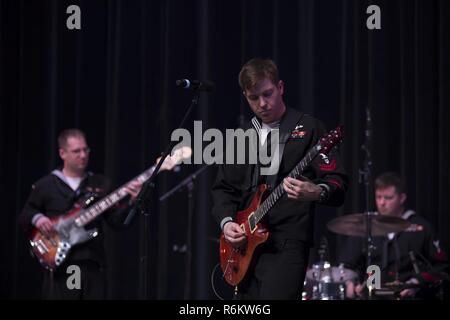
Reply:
x=330, y=140
x=176, y=158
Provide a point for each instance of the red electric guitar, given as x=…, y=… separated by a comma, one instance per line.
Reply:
x=235, y=261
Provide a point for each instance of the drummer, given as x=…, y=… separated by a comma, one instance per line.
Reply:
x=411, y=256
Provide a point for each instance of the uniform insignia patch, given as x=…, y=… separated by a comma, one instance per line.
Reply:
x=298, y=134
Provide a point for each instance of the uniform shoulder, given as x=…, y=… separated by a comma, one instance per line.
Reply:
x=311, y=120
x=44, y=181
x=418, y=219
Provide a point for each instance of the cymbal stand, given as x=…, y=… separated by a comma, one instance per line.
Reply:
x=365, y=177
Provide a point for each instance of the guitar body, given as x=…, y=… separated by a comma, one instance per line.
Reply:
x=52, y=251
x=236, y=261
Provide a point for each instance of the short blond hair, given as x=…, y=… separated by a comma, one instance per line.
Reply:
x=256, y=70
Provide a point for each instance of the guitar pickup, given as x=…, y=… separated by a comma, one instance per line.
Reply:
x=252, y=222
x=39, y=246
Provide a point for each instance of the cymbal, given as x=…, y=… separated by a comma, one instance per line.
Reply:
x=355, y=224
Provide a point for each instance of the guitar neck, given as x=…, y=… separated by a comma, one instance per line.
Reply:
x=87, y=215
x=279, y=190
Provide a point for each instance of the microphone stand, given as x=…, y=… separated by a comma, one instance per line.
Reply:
x=189, y=184
x=365, y=178
x=142, y=204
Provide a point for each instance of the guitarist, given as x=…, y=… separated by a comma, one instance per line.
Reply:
x=55, y=194
x=279, y=265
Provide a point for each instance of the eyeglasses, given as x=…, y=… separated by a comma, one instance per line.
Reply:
x=78, y=151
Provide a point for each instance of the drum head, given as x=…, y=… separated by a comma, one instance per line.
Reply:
x=326, y=273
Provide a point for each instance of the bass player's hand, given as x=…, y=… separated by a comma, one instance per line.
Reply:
x=45, y=226
x=133, y=189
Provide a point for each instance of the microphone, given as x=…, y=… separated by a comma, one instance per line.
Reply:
x=414, y=262
x=197, y=85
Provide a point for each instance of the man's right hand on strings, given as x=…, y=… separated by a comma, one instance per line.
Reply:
x=234, y=234
x=45, y=226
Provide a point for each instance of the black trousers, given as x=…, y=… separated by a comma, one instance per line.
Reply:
x=278, y=272
x=58, y=285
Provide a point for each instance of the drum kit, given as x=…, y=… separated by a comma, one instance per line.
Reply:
x=326, y=282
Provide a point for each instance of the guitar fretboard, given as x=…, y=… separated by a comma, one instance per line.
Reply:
x=87, y=215
x=279, y=190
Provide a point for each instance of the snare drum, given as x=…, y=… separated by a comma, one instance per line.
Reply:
x=325, y=282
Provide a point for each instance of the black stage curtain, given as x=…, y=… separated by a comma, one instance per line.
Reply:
x=115, y=79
